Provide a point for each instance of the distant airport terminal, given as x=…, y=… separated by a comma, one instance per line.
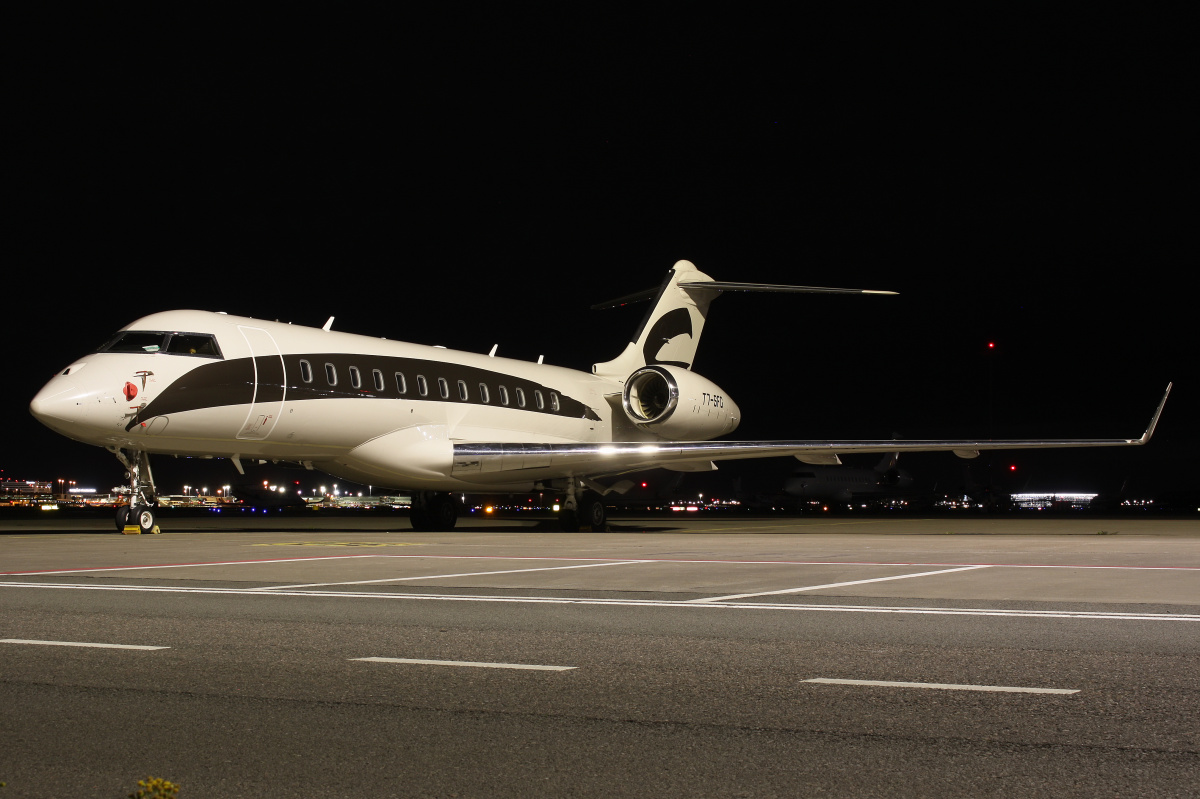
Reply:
x=63, y=494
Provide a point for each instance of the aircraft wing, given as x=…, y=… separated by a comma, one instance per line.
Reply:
x=598, y=460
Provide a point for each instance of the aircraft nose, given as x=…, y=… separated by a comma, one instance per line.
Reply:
x=80, y=406
x=52, y=402
x=38, y=407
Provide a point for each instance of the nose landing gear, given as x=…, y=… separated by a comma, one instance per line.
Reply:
x=143, y=502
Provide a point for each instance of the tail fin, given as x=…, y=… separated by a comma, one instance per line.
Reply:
x=671, y=330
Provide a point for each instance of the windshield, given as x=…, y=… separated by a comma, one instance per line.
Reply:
x=200, y=344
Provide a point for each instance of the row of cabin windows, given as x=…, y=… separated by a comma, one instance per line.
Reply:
x=356, y=381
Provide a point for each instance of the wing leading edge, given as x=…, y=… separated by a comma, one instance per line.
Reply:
x=598, y=460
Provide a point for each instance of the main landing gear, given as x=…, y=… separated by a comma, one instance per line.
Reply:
x=143, y=501
x=582, y=508
x=433, y=511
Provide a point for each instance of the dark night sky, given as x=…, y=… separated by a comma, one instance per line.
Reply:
x=470, y=191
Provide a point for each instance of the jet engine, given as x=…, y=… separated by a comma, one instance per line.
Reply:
x=677, y=404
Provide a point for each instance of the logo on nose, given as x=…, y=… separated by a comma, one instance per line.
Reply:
x=130, y=391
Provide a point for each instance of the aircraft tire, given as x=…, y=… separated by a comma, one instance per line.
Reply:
x=443, y=512
x=438, y=513
x=144, y=516
x=592, y=512
x=122, y=517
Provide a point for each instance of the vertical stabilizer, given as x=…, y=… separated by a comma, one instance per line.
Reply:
x=671, y=330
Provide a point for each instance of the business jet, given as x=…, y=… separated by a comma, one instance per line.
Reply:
x=435, y=422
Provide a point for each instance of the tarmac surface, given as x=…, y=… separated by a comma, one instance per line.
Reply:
x=698, y=656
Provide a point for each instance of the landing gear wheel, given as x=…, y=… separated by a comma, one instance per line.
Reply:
x=591, y=512
x=434, y=513
x=145, y=518
x=443, y=512
x=122, y=517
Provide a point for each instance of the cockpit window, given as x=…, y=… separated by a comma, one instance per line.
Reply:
x=134, y=341
x=193, y=344
x=202, y=345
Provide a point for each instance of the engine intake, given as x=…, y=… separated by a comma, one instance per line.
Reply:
x=678, y=404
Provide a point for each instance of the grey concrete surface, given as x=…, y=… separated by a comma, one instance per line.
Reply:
x=691, y=645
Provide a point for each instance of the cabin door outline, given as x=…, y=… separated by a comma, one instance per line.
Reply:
x=266, y=404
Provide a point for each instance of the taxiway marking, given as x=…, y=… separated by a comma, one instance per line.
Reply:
x=78, y=643
x=446, y=576
x=342, y=544
x=467, y=663
x=645, y=603
x=250, y=562
x=946, y=686
x=832, y=585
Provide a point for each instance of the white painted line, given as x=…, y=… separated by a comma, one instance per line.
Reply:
x=639, y=603
x=445, y=576
x=78, y=643
x=467, y=663
x=947, y=686
x=621, y=560
x=832, y=585
x=763, y=562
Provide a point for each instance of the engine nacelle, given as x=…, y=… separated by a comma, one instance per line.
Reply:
x=675, y=403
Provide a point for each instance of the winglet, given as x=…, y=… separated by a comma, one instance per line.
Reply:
x=1154, y=420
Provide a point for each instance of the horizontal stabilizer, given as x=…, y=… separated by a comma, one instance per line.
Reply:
x=723, y=285
x=628, y=299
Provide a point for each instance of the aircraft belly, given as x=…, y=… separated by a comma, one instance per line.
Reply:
x=488, y=423
x=417, y=457
x=421, y=455
x=397, y=482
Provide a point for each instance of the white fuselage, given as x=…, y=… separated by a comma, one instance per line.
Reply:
x=366, y=409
